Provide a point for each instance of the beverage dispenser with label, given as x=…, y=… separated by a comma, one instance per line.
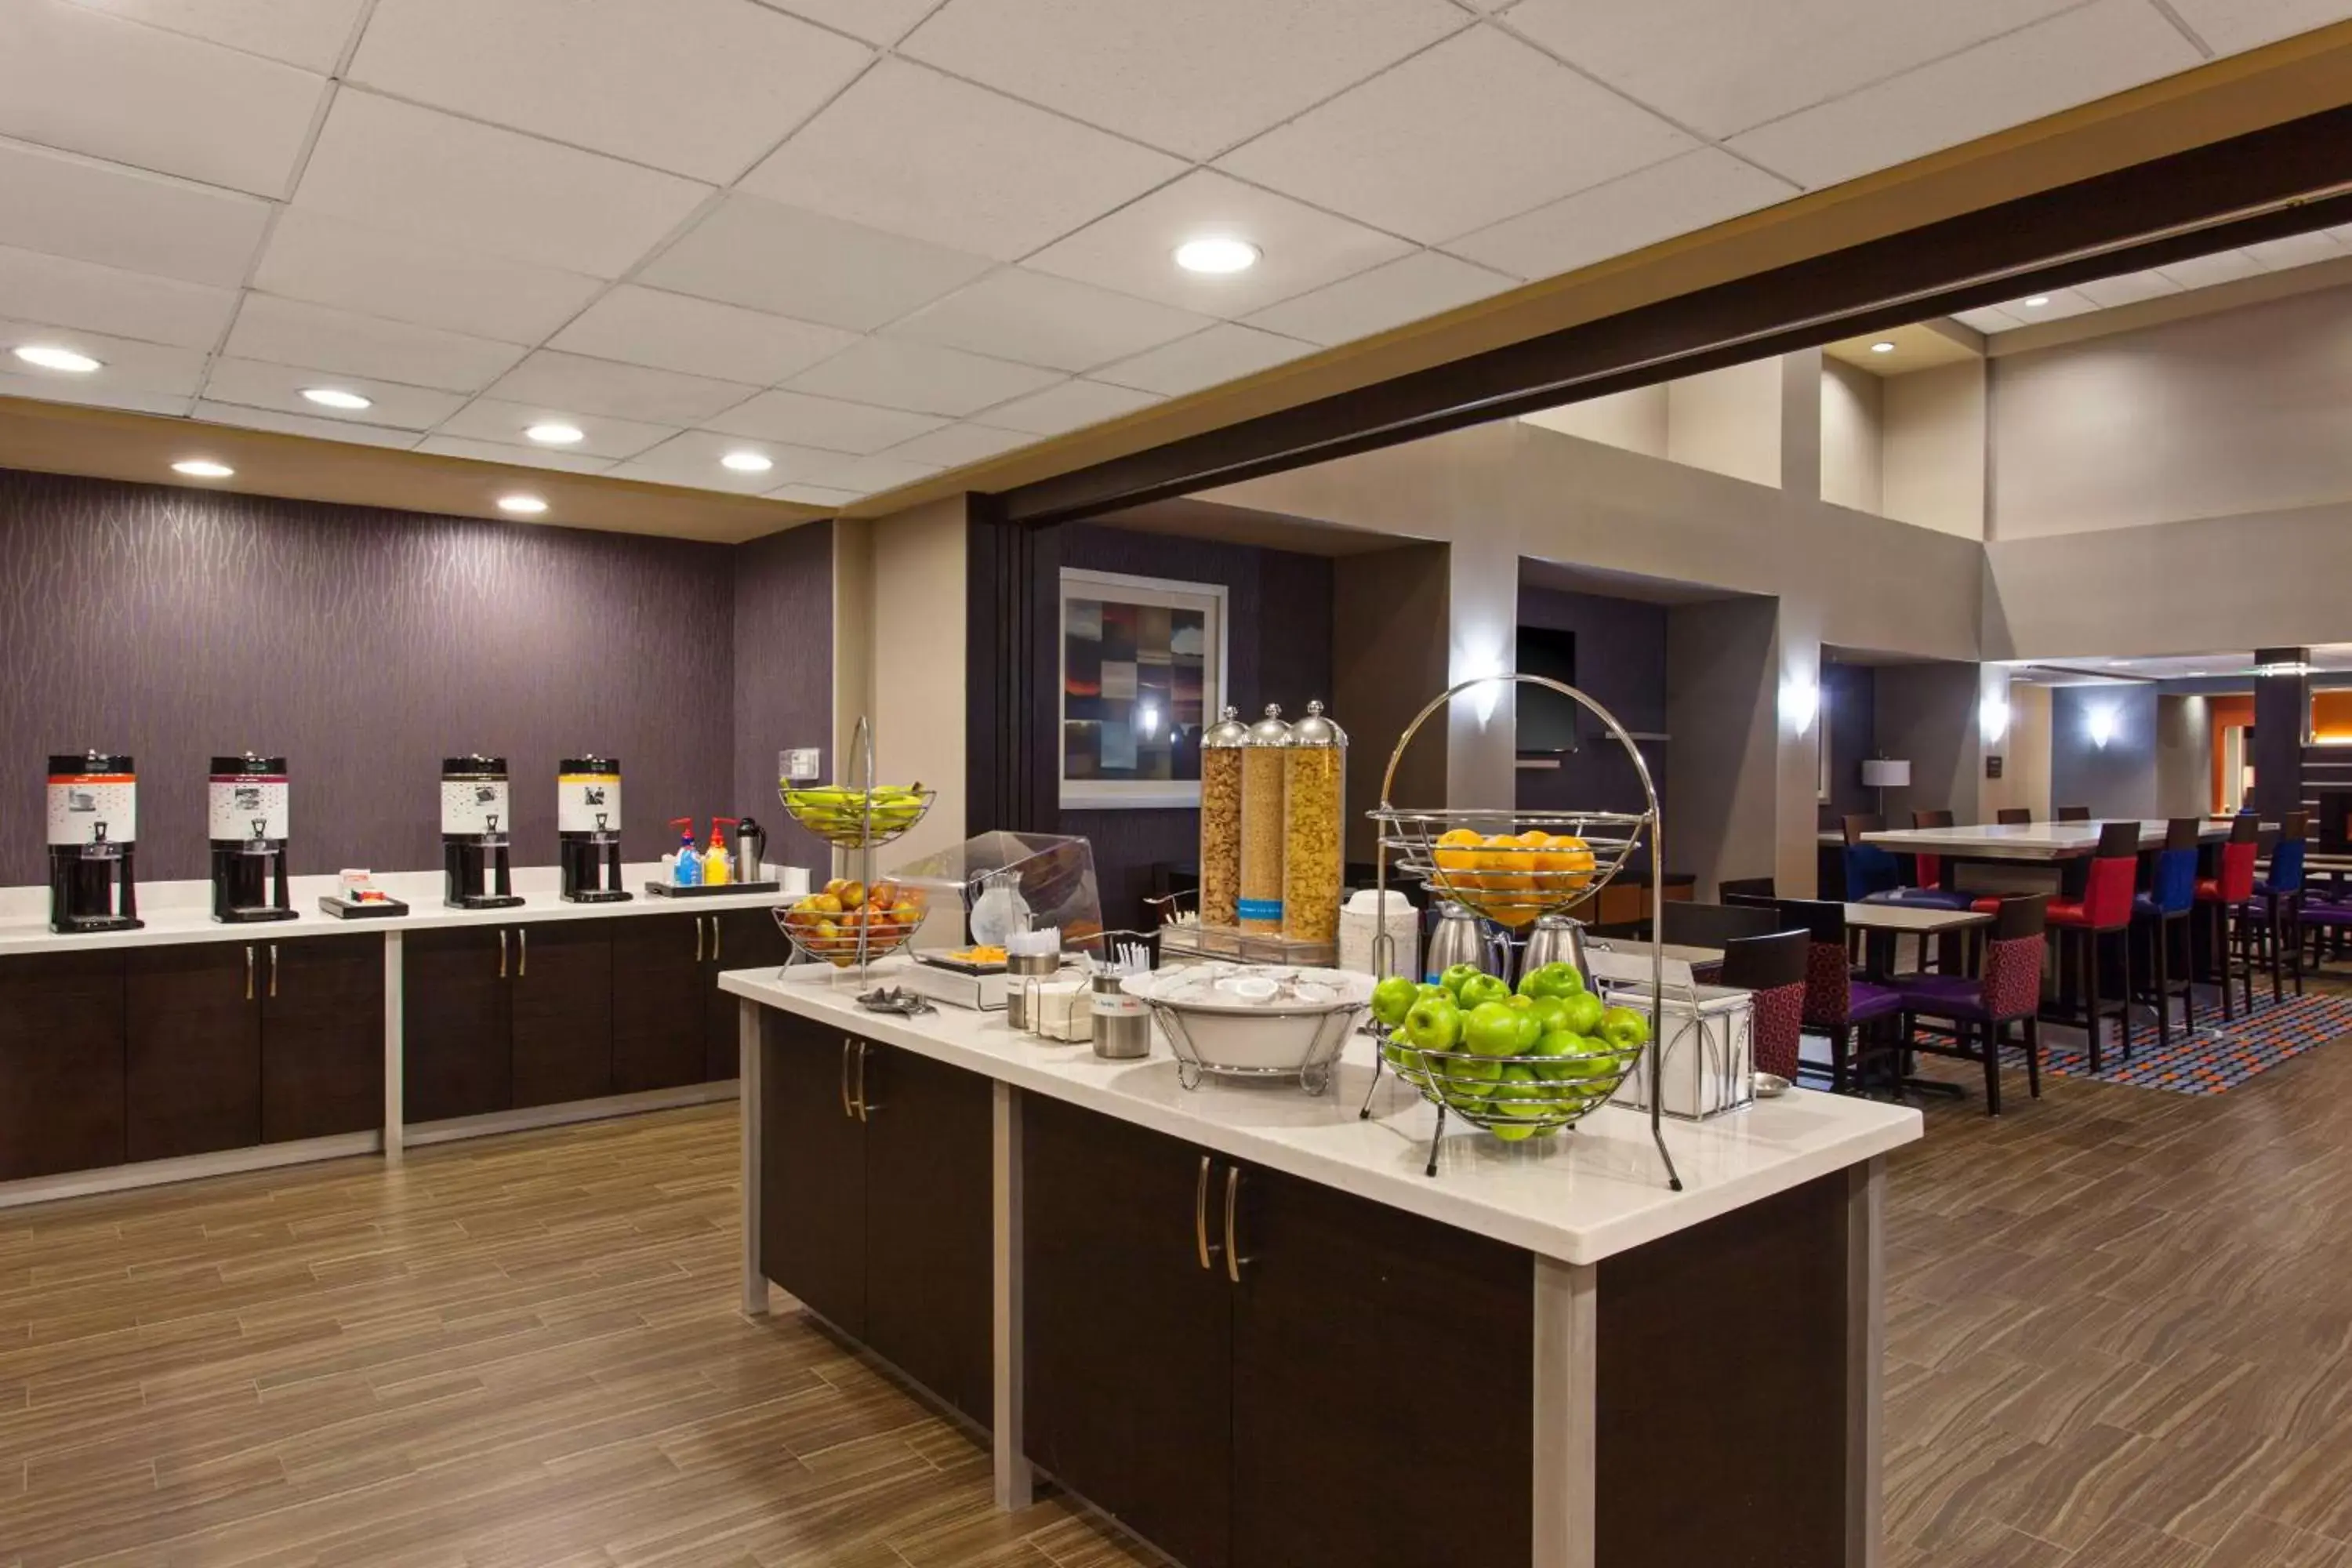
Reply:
x=588, y=829
x=93, y=830
x=475, y=825
x=245, y=801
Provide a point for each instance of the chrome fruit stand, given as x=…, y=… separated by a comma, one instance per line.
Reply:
x=854, y=831
x=1511, y=884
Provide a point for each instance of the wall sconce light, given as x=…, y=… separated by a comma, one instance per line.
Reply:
x=1800, y=703
x=1486, y=665
x=1992, y=719
x=2104, y=721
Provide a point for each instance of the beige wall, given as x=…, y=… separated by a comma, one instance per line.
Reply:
x=1722, y=715
x=1727, y=421
x=2024, y=752
x=1633, y=421
x=1932, y=449
x=2184, y=757
x=1926, y=715
x=2241, y=411
x=1851, y=402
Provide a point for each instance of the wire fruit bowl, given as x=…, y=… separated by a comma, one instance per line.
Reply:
x=1513, y=1097
x=849, y=818
x=1511, y=867
x=850, y=937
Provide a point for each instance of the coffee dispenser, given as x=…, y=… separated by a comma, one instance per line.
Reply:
x=245, y=800
x=93, y=833
x=588, y=828
x=475, y=823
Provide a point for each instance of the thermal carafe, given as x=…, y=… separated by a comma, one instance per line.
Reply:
x=93, y=830
x=588, y=829
x=475, y=823
x=246, y=813
x=751, y=851
x=1458, y=938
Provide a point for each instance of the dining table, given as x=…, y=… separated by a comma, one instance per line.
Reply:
x=2033, y=843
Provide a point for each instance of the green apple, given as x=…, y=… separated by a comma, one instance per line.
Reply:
x=1624, y=1027
x=1460, y=974
x=1482, y=988
x=1550, y=1012
x=1400, y=1052
x=1434, y=1024
x=1492, y=1029
x=1516, y=1132
x=1589, y=1058
x=1555, y=1047
x=1531, y=1029
x=1393, y=998
x=1559, y=980
x=1521, y=1094
x=1430, y=989
x=1583, y=1011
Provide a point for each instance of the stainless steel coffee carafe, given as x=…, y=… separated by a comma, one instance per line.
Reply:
x=1460, y=939
x=1555, y=939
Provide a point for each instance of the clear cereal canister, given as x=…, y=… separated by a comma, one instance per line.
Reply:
x=1263, y=828
x=1220, y=820
x=1313, y=852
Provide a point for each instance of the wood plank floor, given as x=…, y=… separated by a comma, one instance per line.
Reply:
x=2119, y=1331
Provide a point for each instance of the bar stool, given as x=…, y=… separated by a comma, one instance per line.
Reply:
x=2280, y=897
x=1773, y=970
x=1836, y=1003
x=1981, y=1007
x=2228, y=896
x=2074, y=813
x=2012, y=817
x=2103, y=910
x=2170, y=899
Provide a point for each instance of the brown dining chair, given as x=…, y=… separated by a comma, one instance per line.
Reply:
x=2074, y=813
x=2013, y=817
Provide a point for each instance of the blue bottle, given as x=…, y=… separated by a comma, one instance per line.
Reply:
x=685, y=871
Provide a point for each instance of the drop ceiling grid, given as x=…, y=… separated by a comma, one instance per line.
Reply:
x=1108, y=339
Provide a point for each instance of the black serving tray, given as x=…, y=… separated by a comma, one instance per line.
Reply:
x=345, y=910
x=704, y=890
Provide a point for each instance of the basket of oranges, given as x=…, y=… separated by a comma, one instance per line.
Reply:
x=1512, y=878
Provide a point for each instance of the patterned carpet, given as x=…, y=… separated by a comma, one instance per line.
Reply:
x=2206, y=1063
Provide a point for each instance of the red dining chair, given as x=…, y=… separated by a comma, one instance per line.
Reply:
x=2226, y=901
x=2104, y=909
x=1983, y=1008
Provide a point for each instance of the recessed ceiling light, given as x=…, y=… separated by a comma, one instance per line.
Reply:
x=2118, y=664
x=49, y=356
x=555, y=435
x=1882, y=348
x=528, y=506
x=748, y=462
x=336, y=397
x=2196, y=672
x=2037, y=301
x=1216, y=254
x=202, y=468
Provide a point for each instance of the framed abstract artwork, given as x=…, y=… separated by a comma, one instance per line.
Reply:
x=1143, y=674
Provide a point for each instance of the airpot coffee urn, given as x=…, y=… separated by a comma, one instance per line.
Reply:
x=588, y=828
x=474, y=827
x=245, y=798
x=93, y=832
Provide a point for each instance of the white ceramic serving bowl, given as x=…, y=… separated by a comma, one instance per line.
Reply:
x=1239, y=1028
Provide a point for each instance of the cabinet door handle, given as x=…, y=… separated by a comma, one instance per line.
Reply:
x=1234, y=1259
x=523, y=952
x=865, y=1106
x=249, y=971
x=502, y=953
x=846, y=1108
x=697, y=939
x=1201, y=1216
x=273, y=969
x=714, y=939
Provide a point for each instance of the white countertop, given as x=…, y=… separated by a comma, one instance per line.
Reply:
x=1579, y=1196
x=181, y=911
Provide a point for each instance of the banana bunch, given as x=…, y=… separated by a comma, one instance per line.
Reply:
x=840, y=816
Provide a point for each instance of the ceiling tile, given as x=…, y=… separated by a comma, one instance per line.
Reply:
x=800, y=420
x=702, y=88
x=289, y=331
x=960, y=444
x=1476, y=130
x=570, y=462
x=876, y=21
x=2230, y=26
x=255, y=385
x=379, y=272
x=2127, y=289
x=88, y=82
x=1018, y=314
x=920, y=377
x=127, y=365
x=1221, y=353
x=1423, y=284
x=134, y=399
x=1193, y=79
x=1722, y=68
x=1674, y=197
x=691, y=457
x=1072, y=405
x=63, y=205
x=1133, y=250
x=1987, y=319
x=996, y=177
x=70, y=293
x=307, y=33
x=2056, y=305
x=624, y=391
x=812, y=495
x=2087, y=53
x=495, y=420
x=303, y=425
x=699, y=337
x=808, y=267
x=480, y=188
x=2202, y=271
x=866, y=476
x=2296, y=250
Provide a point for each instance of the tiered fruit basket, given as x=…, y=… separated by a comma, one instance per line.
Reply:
x=856, y=920
x=1511, y=867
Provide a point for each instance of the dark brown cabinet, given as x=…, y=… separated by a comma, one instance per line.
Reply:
x=875, y=1202
x=61, y=1063
x=658, y=1009
x=739, y=939
x=457, y=1049
x=322, y=1037
x=561, y=994
x=1331, y=1379
x=193, y=1030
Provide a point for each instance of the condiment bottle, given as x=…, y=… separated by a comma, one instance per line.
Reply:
x=1262, y=825
x=1220, y=820
x=1315, y=788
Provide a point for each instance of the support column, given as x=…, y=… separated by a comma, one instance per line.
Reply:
x=395, y=1113
x=2281, y=727
x=1481, y=732
x=1566, y=1435
x=751, y=1092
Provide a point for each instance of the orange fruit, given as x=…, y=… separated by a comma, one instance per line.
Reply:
x=1458, y=861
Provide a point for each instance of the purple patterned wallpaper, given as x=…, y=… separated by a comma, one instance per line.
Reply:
x=783, y=674
x=365, y=645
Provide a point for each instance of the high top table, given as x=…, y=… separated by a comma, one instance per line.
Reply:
x=2034, y=843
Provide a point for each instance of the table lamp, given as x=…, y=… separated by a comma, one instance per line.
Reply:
x=1882, y=773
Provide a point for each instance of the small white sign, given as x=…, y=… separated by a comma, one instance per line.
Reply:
x=803, y=763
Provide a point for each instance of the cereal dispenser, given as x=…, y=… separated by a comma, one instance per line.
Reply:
x=1260, y=905
x=1220, y=820
x=1314, y=806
